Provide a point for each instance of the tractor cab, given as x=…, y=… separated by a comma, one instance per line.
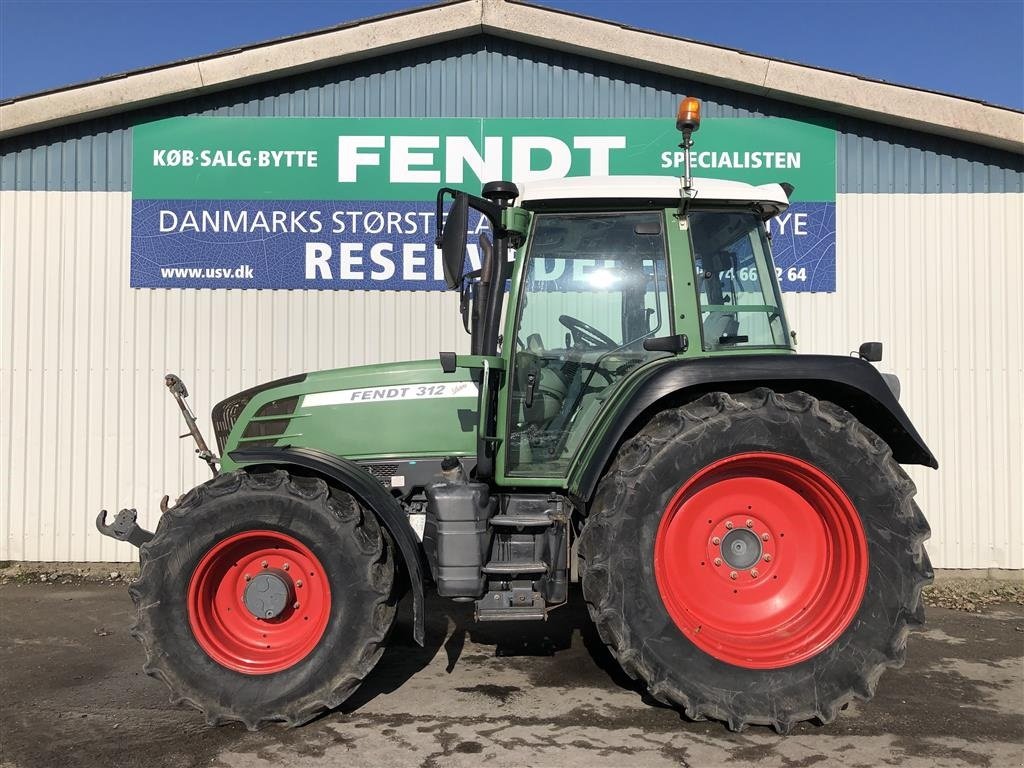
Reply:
x=613, y=277
x=610, y=274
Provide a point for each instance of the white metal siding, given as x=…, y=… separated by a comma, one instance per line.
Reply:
x=85, y=421
x=937, y=278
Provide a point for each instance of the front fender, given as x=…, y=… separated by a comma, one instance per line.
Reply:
x=370, y=493
x=849, y=382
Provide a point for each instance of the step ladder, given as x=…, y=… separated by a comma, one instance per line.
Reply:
x=513, y=596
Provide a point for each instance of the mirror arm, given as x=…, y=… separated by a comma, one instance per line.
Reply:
x=491, y=211
x=440, y=211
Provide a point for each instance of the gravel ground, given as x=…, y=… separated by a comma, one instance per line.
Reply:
x=973, y=595
x=532, y=694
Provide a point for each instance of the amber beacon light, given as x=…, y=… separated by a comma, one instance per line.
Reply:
x=688, y=117
x=687, y=121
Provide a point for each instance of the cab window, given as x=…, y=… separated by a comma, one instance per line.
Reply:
x=736, y=285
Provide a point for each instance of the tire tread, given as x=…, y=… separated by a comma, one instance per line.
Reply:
x=374, y=542
x=691, y=422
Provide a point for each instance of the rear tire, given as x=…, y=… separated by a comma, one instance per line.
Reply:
x=215, y=654
x=829, y=609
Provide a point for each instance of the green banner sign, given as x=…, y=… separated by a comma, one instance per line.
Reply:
x=407, y=159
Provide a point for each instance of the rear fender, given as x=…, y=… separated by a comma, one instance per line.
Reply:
x=353, y=478
x=849, y=382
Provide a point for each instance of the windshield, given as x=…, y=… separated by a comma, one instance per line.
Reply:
x=594, y=287
x=737, y=289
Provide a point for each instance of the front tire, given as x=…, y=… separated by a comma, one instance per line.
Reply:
x=755, y=558
x=264, y=597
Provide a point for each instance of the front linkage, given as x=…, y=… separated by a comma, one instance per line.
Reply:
x=125, y=526
x=178, y=391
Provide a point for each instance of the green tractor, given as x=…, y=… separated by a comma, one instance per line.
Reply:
x=631, y=415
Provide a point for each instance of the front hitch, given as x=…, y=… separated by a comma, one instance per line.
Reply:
x=124, y=527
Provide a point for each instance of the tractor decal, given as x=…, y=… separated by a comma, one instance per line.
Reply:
x=376, y=394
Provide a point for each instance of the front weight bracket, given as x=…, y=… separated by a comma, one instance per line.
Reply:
x=123, y=527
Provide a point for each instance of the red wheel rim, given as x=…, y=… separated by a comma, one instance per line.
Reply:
x=774, y=604
x=222, y=622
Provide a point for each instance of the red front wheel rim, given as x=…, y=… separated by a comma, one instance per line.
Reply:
x=269, y=572
x=761, y=560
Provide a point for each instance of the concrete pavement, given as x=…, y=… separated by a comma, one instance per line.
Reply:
x=72, y=694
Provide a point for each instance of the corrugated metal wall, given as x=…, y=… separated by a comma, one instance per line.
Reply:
x=86, y=423
x=489, y=77
x=937, y=279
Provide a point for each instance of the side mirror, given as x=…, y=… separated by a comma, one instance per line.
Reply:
x=453, y=240
x=870, y=351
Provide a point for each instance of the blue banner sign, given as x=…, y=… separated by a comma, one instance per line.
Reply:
x=211, y=239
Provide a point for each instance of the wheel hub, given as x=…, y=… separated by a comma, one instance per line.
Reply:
x=741, y=549
x=268, y=594
x=259, y=602
x=761, y=560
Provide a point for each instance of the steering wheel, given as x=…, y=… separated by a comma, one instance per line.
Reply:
x=584, y=334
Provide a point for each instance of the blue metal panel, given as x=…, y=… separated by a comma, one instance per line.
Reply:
x=490, y=77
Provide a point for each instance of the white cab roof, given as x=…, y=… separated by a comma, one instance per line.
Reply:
x=651, y=188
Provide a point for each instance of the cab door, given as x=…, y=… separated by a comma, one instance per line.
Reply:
x=589, y=290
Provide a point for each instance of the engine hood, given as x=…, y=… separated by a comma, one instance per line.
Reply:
x=391, y=411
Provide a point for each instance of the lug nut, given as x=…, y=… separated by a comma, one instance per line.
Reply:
x=764, y=537
x=263, y=564
x=295, y=605
x=718, y=561
x=285, y=567
x=767, y=558
x=716, y=541
x=754, y=574
x=733, y=575
x=729, y=524
x=750, y=523
x=298, y=583
x=248, y=577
